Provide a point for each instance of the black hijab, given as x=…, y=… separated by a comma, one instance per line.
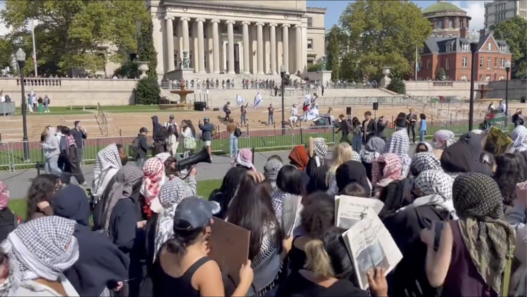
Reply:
x=101, y=264
x=464, y=155
x=352, y=172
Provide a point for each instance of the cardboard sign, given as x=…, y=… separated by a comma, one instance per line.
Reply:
x=229, y=247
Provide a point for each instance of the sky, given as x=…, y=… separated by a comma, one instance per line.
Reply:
x=475, y=9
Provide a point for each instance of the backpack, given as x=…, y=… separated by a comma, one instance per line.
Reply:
x=237, y=132
x=214, y=130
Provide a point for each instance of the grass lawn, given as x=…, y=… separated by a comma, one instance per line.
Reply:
x=78, y=109
x=205, y=187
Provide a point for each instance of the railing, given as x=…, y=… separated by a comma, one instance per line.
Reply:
x=272, y=139
x=36, y=82
x=102, y=121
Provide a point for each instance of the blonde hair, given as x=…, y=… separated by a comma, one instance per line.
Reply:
x=317, y=259
x=342, y=153
x=46, y=131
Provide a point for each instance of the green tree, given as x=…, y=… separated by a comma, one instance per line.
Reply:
x=441, y=74
x=334, y=52
x=6, y=53
x=315, y=67
x=78, y=33
x=146, y=49
x=513, y=32
x=384, y=33
x=397, y=85
x=148, y=91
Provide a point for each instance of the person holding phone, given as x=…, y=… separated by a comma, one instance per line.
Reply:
x=411, y=119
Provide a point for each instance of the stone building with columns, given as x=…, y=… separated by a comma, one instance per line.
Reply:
x=236, y=39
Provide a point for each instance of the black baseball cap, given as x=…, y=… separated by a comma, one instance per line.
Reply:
x=194, y=213
x=143, y=130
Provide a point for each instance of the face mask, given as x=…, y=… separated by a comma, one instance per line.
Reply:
x=124, y=161
x=438, y=144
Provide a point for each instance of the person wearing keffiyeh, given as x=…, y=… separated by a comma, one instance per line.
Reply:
x=424, y=161
x=317, y=152
x=399, y=144
x=481, y=242
x=107, y=163
x=387, y=168
x=519, y=138
x=372, y=150
x=38, y=252
x=442, y=140
x=154, y=178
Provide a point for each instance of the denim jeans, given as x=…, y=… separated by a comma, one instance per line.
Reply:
x=140, y=161
x=244, y=119
x=270, y=120
x=233, y=145
x=52, y=166
x=356, y=143
x=422, y=135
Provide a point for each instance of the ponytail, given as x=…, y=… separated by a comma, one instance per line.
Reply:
x=176, y=246
x=318, y=259
x=181, y=240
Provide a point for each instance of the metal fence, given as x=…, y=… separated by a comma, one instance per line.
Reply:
x=272, y=139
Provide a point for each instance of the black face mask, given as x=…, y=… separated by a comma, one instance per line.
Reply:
x=124, y=161
x=381, y=167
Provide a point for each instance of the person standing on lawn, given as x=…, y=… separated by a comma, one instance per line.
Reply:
x=206, y=133
x=79, y=134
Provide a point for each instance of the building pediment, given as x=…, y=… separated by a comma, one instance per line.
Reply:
x=241, y=8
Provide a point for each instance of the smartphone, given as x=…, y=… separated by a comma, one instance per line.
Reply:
x=437, y=235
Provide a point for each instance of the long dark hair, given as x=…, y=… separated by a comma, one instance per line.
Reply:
x=510, y=170
x=42, y=188
x=191, y=126
x=252, y=209
x=228, y=189
x=182, y=238
x=290, y=181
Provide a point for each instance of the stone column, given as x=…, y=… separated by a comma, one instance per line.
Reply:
x=184, y=25
x=298, y=36
x=230, y=37
x=216, y=46
x=201, y=46
x=285, y=42
x=272, y=28
x=259, y=51
x=170, y=43
x=246, y=64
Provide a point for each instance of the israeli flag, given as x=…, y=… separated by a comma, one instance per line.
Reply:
x=312, y=114
x=257, y=100
x=239, y=100
x=307, y=100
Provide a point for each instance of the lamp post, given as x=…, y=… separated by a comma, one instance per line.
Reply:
x=21, y=59
x=282, y=89
x=474, y=41
x=507, y=70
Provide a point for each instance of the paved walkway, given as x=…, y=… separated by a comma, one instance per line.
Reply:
x=19, y=182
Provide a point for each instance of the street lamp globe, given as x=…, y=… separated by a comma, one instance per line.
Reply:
x=20, y=55
x=507, y=65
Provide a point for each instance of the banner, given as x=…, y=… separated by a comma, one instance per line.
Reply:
x=312, y=114
x=307, y=100
x=239, y=100
x=257, y=100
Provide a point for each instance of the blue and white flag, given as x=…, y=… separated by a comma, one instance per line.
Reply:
x=257, y=100
x=307, y=100
x=239, y=100
x=312, y=114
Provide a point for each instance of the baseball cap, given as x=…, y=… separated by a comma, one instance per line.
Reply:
x=206, y=118
x=171, y=116
x=143, y=129
x=194, y=213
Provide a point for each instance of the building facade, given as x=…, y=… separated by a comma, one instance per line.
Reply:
x=499, y=11
x=248, y=38
x=453, y=55
x=447, y=20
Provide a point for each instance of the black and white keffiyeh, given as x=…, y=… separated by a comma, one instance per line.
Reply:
x=399, y=144
x=519, y=136
x=425, y=161
x=437, y=182
x=107, y=159
x=320, y=147
x=41, y=248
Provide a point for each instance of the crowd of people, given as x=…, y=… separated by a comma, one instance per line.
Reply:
x=456, y=213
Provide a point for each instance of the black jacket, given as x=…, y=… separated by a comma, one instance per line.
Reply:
x=370, y=130
x=142, y=146
x=8, y=222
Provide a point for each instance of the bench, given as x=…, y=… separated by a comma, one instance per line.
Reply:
x=82, y=107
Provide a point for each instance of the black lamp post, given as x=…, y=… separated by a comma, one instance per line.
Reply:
x=507, y=70
x=282, y=89
x=474, y=41
x=21, y=59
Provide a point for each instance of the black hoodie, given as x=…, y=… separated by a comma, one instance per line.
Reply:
x=101, y=264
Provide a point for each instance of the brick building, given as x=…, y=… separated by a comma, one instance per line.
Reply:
x=447, y=19
x=452, y=52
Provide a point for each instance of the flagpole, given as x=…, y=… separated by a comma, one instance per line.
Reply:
x=416, y=63
x=34, y=48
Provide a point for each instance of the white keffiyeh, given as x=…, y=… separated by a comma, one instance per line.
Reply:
x=425, y=161
x=399, y=144
x=519, y=136
x=106, y=166
x=41, y=248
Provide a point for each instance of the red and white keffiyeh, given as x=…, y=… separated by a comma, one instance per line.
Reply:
x=392, y=170
x=153, y=179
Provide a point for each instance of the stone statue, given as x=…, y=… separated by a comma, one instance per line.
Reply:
x=324, y=63
x=185, y=60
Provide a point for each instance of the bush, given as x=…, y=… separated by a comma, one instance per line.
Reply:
x=314, y=67
x=148, y=91
x=397, y=85
x=441, y=75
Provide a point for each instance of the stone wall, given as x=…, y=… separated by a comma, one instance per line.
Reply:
x=441, y=88
x=517, y=89
x=73, y=91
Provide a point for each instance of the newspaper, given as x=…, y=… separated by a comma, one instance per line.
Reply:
x=350, y=209
x=371, y=246
x=290, y=212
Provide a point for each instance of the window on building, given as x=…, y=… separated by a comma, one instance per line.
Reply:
x=465, y=47
x=487, y=78
x=480, y=77
x=310, y=44
x=489, y=62
x=480, y=62
x=464, y=77
x=489, y=46
x=447, y=64
x=502, y=63
x=427, y=64
x=450, y=47
x=451, y=23
x=309, y=22
x=440, y=24
x=464, y=62
x=495, y=62
x=503, y=48
x=502, y=77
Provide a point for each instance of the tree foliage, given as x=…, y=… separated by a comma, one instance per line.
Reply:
x=148, y=91
x=146, y=49
x=441, y=74
x=315, y=67
x=77, y=33
x=6, y=53
x=397, y=85
x=384, y=33
x=334, y=52
x=513, y=31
